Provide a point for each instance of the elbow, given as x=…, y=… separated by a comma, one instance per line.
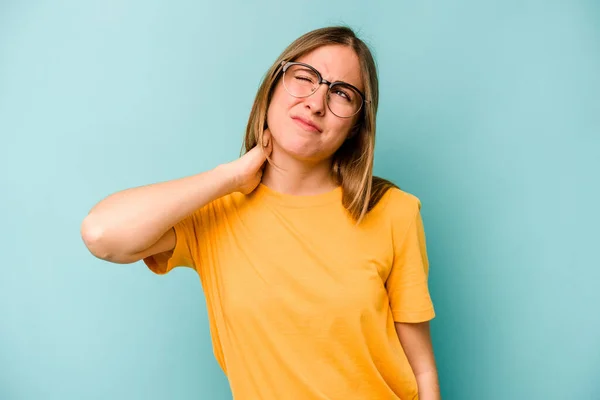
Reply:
x=97, y=242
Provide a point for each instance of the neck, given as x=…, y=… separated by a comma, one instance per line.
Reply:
x=296, y=177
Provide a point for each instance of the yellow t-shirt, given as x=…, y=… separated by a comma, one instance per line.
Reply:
x=301, y=301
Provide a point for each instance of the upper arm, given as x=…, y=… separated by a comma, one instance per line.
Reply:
x=407, y=283
x=162, y=250
x=183, y=244
x=179, y=246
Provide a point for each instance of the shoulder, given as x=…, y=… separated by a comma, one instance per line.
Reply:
x=398, y=208
x=398, y=202
x=402, y=214
x=386, y=194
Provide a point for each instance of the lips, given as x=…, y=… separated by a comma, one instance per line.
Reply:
x=307, y=124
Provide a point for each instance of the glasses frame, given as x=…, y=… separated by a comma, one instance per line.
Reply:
x=287, y=64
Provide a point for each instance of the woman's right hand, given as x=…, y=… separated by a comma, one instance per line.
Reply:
x=136, y=223
x=247, y=170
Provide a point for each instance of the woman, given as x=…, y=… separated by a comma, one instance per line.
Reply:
x=314, y=271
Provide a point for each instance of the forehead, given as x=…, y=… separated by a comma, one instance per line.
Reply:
x=336, y=63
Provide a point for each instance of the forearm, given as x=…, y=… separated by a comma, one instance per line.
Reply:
x=130, y=221
x=416, y=341
x=428, y=385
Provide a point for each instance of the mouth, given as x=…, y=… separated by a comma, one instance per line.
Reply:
x=306, y=124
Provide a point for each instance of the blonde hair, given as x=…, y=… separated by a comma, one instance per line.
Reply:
x=352, y=166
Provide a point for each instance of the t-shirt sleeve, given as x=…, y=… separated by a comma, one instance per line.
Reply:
x=184, y=251
x=407, y=283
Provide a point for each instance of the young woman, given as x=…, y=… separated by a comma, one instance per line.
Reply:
x=314, y=271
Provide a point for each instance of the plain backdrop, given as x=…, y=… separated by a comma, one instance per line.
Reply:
x=489, y=113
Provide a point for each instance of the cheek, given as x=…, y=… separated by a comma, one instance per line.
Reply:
x=279, y=107
x=339, y=129
x=336, y=129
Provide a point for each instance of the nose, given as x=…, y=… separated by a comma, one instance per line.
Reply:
x=317, y=101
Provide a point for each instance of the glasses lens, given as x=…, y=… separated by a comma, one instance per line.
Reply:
x=300, y=81
x=344, y=101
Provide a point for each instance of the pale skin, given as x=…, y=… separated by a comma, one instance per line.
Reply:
x=136, y=223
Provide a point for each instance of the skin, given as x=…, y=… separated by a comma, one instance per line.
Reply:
x=138, y=222
x=304, y=157
x=416, y=341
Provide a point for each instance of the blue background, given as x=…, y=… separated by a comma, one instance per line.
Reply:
x=489, y=113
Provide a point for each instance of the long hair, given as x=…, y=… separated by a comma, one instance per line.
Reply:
x=352, y=166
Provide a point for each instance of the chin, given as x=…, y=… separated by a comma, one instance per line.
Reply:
x=299, y=148
x=301, y=153
x=309, y=155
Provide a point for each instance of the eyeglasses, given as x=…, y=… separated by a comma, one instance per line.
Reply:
x=302, y=80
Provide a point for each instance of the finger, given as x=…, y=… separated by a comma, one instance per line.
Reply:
x=257, y=156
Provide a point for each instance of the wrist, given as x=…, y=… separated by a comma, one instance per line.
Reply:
x=228, y=179
x=428, y=386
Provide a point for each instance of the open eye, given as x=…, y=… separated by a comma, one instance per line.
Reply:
x=342, y=93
